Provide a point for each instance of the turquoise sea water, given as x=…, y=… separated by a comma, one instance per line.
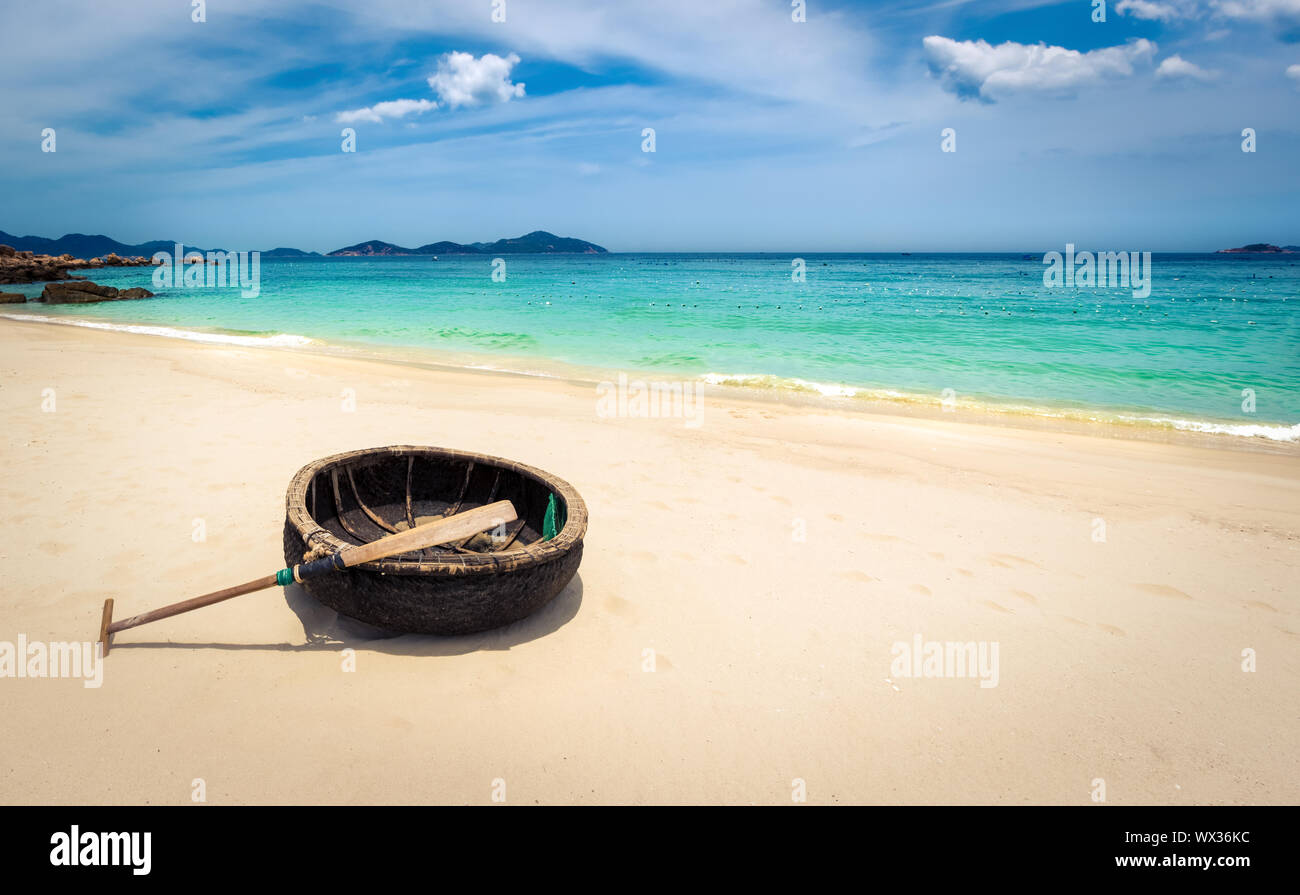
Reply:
x=880, y=326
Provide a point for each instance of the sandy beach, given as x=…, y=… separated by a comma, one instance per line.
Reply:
x=765, y=562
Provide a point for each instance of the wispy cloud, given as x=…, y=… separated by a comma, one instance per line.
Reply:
x=1157, y=10
x=395, y=108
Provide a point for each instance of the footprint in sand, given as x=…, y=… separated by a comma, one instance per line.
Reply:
x=1111, y=629
x=618, y=605
x=784, y=501
x=1164, y=590
x=738, y=560
x=1074, y=621
x=934, y=554
x=967, y=572
x=1002, y=559
x=999, y=607
x=835, y=517
x=1026, y=596
x=1260, y=604
x=921, y=589
x=658, y=505
x=860, y=577
x=54, y=548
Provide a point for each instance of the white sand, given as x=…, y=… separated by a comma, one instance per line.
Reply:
x=1118, y=660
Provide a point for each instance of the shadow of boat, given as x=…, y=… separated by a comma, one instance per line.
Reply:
x=328, y=631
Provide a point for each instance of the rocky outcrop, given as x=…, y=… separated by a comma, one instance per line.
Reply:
x=28, y=267
x=12, y=298
x=85, y=292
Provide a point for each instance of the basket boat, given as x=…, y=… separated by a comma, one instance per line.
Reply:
x=485, y=582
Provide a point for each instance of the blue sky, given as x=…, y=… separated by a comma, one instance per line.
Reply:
x=771, y=134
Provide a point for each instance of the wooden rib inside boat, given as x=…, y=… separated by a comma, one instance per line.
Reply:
x=475, y=584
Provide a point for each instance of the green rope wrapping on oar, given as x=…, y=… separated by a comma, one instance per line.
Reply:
x=284, y=577
x=554, y=519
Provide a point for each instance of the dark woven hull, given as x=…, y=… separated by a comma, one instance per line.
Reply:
x=459, y=589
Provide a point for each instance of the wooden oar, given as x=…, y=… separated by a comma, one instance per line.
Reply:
x=443, y=531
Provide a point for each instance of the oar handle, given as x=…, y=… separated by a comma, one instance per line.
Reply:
x=303, y=571
x=443, y=531
x=194, y=603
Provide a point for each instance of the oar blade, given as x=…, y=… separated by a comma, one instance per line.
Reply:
x=431, y=534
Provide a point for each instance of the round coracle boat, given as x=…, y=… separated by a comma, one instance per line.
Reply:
x=485, y=581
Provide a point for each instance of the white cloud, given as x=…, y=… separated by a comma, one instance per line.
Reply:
x=1176, y=66
x=976, y=68
x=1293, y=72
x=394, y=108
x=463, y=80
x=1153, y=11
x=1258, y=10
x=1282, y=16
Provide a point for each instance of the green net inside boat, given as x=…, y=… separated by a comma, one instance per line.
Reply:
x=553, y=521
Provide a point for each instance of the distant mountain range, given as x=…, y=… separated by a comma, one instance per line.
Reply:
x=1259, y=248
x=80, y=245
x=539, y=242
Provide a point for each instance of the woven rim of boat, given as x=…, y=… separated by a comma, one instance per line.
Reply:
x=321, y=540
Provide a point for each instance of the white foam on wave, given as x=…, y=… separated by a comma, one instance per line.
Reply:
x=1243, y=430
x=279, y=340
x=757, y=380
x=1274, y=432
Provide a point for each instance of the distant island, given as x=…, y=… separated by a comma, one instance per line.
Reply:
x=290, y=253
x=81, y=245
x=539, y=242
x=1260, y=248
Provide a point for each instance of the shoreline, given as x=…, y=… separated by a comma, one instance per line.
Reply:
x=1133, y=424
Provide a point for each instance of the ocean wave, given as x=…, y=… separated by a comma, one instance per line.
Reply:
x=1244, y=430
x=278, y=340
x=765, y=381
x=762, y=381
